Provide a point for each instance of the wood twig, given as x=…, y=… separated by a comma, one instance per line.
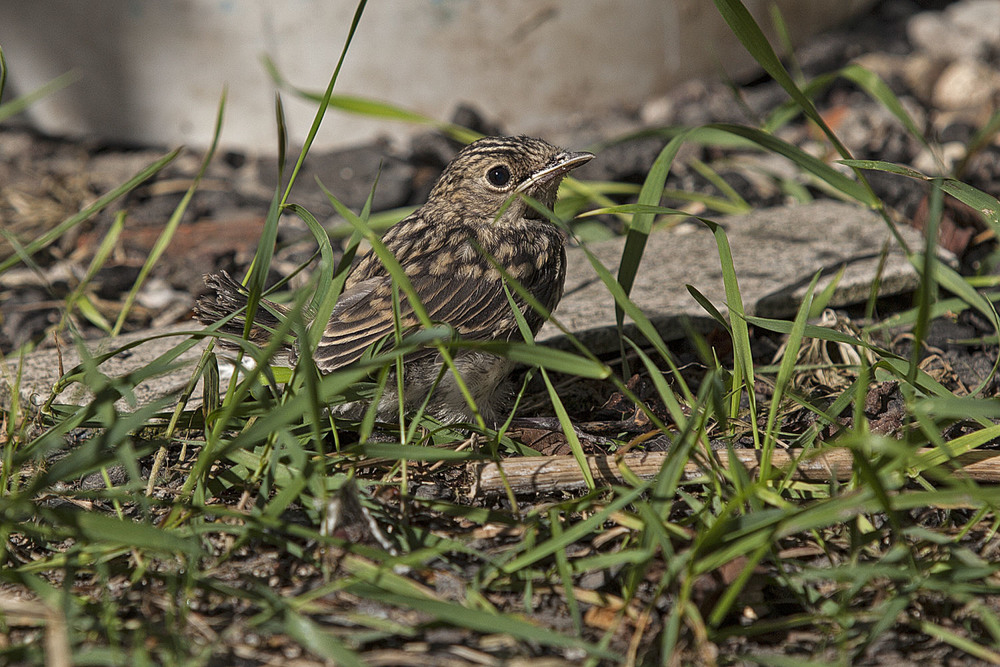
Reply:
x=545, y=474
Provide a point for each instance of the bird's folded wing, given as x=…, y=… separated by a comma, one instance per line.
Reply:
x=476, y=308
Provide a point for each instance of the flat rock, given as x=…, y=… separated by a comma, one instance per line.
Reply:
x=775, y=251
x=42, y=369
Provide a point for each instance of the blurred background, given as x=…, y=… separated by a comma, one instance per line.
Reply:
x=151, y=71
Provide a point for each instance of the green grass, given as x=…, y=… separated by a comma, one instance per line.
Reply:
x=224, y=555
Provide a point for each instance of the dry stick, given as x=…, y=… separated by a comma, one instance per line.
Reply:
x=543, y=474
x=32, y=613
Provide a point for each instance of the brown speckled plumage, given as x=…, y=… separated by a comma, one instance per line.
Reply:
x=437, y=248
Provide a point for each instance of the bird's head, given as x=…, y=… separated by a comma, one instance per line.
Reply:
x=488, y=175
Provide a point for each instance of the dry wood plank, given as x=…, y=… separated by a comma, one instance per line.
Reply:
x=545, y=474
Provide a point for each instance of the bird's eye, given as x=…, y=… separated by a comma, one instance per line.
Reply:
x=498, y=176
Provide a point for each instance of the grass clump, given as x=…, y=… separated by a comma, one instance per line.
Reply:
x=243, y=522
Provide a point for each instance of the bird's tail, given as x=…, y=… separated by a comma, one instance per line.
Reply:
x=227, y=297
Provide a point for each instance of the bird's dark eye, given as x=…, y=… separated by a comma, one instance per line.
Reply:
x=498, y=176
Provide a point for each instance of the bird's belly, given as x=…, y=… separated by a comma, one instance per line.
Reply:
x=483, y=375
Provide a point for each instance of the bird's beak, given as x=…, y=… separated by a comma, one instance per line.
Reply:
x=557, y=167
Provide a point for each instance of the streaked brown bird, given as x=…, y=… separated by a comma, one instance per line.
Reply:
x=473, y=210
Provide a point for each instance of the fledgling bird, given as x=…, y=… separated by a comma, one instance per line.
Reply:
x=438, y=248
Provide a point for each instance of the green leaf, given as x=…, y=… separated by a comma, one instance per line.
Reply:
x=16, y=106
x=822, y=171
x=319, y=641
x=387, y=450
x=106, y=530
x=363, y=106
x=559, y=361
x=746, y=30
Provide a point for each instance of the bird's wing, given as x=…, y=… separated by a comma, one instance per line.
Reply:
x=475, y=306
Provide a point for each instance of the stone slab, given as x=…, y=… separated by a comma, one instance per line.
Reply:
x=775, y=252
x=41, y=370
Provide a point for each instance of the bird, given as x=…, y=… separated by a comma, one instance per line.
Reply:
x=474, y=212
